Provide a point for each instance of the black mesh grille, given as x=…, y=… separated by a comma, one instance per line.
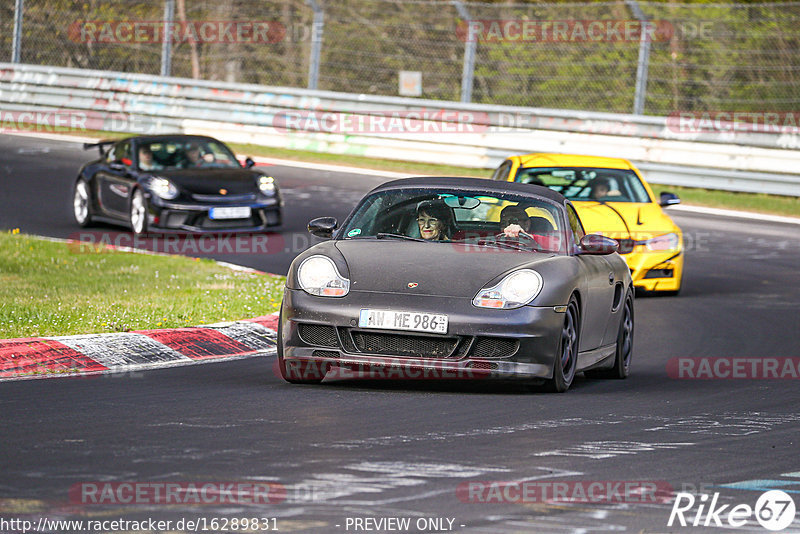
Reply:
x=493, y=347
x=347, y=342
x=317, y=334
x=325, y=354
x=482, y=365
x=404, y=345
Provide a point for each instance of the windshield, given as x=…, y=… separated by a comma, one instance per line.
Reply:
x=185, y=153
x=457, y=216
x=582, y=184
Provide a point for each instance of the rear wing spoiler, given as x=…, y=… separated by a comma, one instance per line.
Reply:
x=101, y=145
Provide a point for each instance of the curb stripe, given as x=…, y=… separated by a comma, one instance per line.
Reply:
x=253, y=335
x=62, y=356
x=36, y=357
x=122, y=350
x=197, y=343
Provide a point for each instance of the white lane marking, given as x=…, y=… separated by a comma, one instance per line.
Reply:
x=324, y=487
x=425, y=470
x=735, y=213
x=124, y=349
x=743, y=424
x=598, y=450
x=451, y=435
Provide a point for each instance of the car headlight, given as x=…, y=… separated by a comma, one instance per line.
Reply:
x=318, y=275
x=163, y=188
x=513, y=291
x=266, y=184
x=662, y=242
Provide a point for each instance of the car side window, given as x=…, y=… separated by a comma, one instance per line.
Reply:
x=575, y=224
x=123, y=151
x=502, y=171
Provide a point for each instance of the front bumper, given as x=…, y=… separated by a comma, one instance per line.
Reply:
x=171, y=216
x=656, y=271
x=319, y=333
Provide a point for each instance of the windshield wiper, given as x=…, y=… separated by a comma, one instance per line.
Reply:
x=383, y=235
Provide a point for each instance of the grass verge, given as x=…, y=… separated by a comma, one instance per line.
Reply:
x=755, y=202
x=49, y=289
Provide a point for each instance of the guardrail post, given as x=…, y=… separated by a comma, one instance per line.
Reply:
x=470, y=42
x=316, y=44
x=166, y=46
x=17, y=37
x=644, y=59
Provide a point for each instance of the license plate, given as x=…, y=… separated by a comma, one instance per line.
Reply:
x=400, y=320
x=230, y=213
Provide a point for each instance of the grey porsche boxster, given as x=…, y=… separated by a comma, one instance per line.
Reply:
x=458, y=278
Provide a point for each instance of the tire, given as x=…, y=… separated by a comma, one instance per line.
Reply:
x=566, y=360
x=282, y=363
x=82, y=203
x=137, y=212
x=624, y=352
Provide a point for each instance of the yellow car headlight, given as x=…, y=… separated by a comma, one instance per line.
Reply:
x=661, y=243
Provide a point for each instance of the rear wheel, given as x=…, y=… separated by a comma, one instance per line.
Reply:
x=81, y=204
x=567, y=359
x=622, y=358
x=138, y=212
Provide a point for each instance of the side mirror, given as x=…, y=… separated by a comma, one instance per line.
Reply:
x=598, y=244
x=323, y=227
x=669, y=199
x=248, y=163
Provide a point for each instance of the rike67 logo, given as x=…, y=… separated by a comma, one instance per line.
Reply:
x=774, y=510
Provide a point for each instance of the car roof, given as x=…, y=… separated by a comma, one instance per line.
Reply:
x=483, y=184
x=544, y=159
x=161, y=137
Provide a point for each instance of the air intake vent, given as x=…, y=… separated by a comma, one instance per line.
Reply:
x=320, y=335
x=493, y=347
x=404, y=345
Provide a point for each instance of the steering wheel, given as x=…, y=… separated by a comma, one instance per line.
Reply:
x=522, y=239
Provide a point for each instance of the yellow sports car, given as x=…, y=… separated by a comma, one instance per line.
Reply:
x=612, y=199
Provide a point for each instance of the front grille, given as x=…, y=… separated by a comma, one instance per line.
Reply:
x=659, y=273
x=493, y=347
x=482, y=365
x=225, y=198
x=210, y=224
x=320, y=335
x=325, y=354
x=404, y=345
x=626, y=245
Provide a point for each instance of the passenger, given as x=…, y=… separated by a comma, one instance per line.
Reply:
x=434, y=219
x=146, y=162
x=514, y=220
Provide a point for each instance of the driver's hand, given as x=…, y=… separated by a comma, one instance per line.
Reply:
x=512, y=230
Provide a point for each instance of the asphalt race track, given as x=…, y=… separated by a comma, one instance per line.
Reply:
x=371, y=450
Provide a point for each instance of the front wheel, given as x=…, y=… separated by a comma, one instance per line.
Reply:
x=566, y=360
x=138, y=212
x=81, y=203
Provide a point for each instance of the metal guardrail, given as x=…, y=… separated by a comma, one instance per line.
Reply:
x=455, y=133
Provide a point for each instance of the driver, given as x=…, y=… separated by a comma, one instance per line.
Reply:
x=146, y=162
x=433, y=219
x=193, y=157
x=514, y=220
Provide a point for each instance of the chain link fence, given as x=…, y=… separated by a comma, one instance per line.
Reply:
x=577, y=55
